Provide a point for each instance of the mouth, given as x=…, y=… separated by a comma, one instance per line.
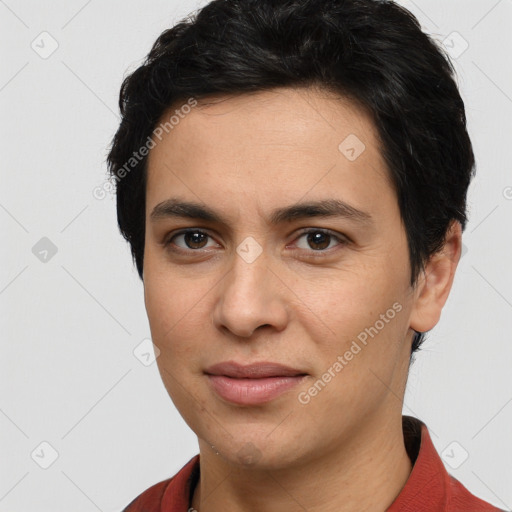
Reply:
x=252, y=384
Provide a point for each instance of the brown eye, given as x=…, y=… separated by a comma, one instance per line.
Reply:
x=318, y=240
x=190, y=239
x=195, y=239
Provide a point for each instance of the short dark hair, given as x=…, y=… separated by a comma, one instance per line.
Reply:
x=372, y=52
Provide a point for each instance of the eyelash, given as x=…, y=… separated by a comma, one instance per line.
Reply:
x=342, y=241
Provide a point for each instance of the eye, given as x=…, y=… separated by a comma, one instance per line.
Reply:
x=313, y=240
x=189, y=240
x=319, y=240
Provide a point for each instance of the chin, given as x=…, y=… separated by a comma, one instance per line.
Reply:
x=255, y=450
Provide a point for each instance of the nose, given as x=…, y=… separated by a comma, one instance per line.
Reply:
x=250, y=296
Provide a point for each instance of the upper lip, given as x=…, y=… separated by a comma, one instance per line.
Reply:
x=252, y=371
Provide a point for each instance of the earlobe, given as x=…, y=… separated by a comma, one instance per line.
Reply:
x=435, y=283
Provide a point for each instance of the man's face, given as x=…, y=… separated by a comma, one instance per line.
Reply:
x=254, y=288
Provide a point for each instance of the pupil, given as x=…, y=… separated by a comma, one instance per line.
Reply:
x=317, y=237
x=193, y=239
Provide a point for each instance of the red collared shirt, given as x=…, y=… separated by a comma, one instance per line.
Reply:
x=429, y=488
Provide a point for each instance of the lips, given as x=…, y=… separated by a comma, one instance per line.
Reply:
x=253, y=371
x=252, y=384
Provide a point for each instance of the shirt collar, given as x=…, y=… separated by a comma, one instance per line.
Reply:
x=426, y=487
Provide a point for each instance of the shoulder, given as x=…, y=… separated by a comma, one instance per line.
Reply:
x=430, y=487
x=150, y=500
x=462, y=499
x=171, y=495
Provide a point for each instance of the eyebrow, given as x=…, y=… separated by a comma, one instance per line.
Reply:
x=326, y=208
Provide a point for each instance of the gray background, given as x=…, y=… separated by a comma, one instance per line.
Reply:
x=70, y=321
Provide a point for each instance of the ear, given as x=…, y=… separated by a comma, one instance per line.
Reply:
x=435, y=282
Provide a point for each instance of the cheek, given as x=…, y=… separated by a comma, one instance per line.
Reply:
x=169, y=298
x=361, y=320
x=336, y=309
x=177, y=311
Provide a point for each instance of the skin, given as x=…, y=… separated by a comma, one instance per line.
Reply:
x=295, y=304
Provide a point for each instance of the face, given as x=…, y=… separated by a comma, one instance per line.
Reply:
x=295, y=254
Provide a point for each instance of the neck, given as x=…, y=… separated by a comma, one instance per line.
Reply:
x=365, y=474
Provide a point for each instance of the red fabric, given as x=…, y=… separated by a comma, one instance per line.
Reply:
x=429, y=488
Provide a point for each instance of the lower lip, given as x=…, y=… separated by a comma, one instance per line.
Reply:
x=252, y=391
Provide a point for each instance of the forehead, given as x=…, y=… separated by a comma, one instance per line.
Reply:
x=300, y=116
x=285, y=143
